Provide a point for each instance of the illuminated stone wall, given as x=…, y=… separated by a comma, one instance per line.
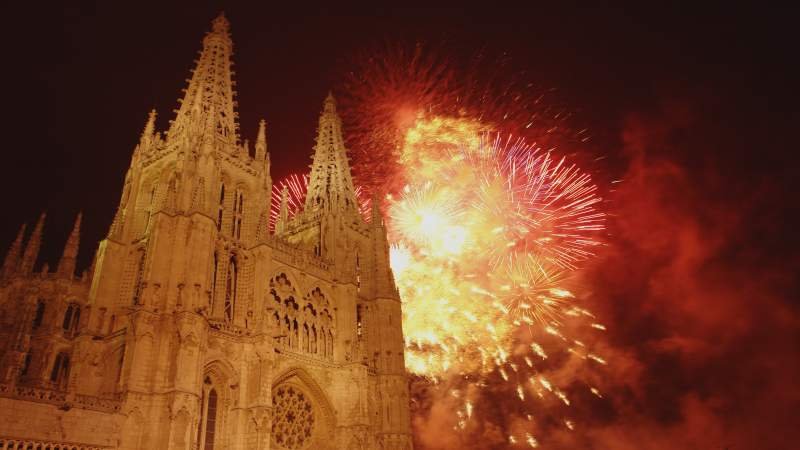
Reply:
x=196, y=327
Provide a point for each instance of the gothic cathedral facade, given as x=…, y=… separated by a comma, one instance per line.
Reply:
x=199, y=326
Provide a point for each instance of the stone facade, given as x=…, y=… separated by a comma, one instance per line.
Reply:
x=199, y=327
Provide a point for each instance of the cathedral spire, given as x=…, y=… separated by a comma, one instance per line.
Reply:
x=66, y=266
x=207, y=105
x=330, y=185
x=11, y=262
x=32, y=249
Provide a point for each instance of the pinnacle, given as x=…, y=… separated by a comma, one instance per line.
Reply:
x=330, y=183
x=32, y=248
x=150, y=126
x=66, y=266
x=13, y=255
x=76, y=228
x=220, y=24
x=262, y=131
x=330, y=103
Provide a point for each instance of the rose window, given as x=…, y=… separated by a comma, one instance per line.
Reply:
x=293, y=418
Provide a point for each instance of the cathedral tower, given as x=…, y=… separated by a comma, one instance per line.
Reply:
x=198, y=328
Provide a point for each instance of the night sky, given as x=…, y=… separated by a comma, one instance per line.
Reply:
x=694, y=107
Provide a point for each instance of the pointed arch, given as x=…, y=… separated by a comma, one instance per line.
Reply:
x=218, y=377
x=221, y=370
x=290, y=276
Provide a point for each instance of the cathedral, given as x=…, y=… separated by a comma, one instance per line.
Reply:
x=199, y=325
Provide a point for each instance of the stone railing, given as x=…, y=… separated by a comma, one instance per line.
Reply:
x=60, y=398
x=302, y=356
x=297, y=256
x=32, y=393
x=29, y=444
x=225, y=327
x=97, y=403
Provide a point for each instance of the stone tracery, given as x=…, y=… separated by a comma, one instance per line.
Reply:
x=307, y=326
x=293, y=420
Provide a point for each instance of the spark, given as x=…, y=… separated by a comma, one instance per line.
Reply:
x=487, y=230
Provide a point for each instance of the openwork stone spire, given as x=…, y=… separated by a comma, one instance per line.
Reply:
x=207, y=106
x=330, y=186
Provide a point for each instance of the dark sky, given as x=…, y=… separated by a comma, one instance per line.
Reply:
x=695, y=107
x=80, y=78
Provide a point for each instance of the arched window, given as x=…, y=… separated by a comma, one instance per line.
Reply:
x=151, y=207
x=60, y=368
x=306, y=339
x=230, y=289
x=313, y=345
x=72, y=318
x=211, y=419
x=221, y=207
x=214, y=279
x=207, y=427
x=295, y=336
x=39, y=314
x=238, y=210
x=288, y=339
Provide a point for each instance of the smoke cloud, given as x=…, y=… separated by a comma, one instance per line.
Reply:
x=698, y=290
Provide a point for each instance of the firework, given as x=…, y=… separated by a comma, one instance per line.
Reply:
x=487, y=234
x=296, y=187
x=486, y=239
x=386, y=89
x=487, y=229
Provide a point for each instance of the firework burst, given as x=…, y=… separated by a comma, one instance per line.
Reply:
x=487, y=229
x=296, y=187
x=487, y=239
x=387, y=88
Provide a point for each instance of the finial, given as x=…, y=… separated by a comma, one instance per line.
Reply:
x=77, y=227
x=330, y=102
x=220, y=24
x=262, y=131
